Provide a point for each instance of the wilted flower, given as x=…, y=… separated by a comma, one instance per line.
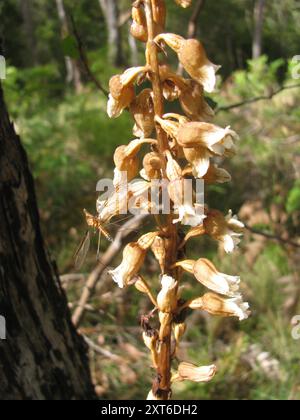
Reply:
x=189, y=213
x=167, y=297
x=219, y=306
x=206, y=273
x=133, y=259
x=201, y=134
x=126, y=160
x=143, y=113
x=228, y=230
x=193, y=103
x=122, y=91
x=190, y=372
x=193, y=58
x=139, y=25
x=216, y=175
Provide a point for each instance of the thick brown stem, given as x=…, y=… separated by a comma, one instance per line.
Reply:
x=162, y=385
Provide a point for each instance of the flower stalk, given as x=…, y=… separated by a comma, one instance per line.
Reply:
x=183, y=146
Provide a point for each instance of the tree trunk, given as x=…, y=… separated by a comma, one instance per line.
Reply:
x=72, y=67
x=43, y=357
x=29, y=32
x=110, y=10
x=258, y=28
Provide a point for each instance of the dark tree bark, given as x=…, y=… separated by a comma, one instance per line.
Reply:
x=111, y=12
x=258, y=28
x=42, y=357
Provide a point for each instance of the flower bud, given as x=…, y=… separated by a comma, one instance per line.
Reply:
x=159, y=250
x=152, y=165
x=142, y=286
x=167, y=297
x=139, y=24
x=190, y=372
x=133, y=259
x=179, y=330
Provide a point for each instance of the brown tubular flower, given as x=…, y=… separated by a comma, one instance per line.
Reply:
x=190, y=372
x=219, y=306
x=122, y=93
x=193, y=103
x=127, y=161
x=143, y=113
x=133, y=259
x=193, y=58
x=226, y=230
x=139, y=25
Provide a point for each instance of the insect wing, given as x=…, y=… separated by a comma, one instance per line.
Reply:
x=82, y=251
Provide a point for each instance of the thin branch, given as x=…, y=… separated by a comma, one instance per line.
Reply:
x=192, y=27
x=100, y=350
x=272, y=237
x=84, y=59
x=106, y=260
x=256, y=99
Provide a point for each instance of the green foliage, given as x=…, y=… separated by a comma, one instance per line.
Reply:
x=293, y=199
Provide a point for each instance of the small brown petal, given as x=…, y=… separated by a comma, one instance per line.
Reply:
x=191, y=372
x=193, y=102
x=159, y=250
x=145, y=242
x=143, y=112
x=159, y=12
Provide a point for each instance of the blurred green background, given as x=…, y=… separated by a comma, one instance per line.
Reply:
x=61, y=118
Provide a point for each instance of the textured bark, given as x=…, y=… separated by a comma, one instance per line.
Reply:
x=42, y=356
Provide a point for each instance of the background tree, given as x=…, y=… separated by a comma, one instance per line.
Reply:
x=43, y=357
x=258, y=28
x=111, y=12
